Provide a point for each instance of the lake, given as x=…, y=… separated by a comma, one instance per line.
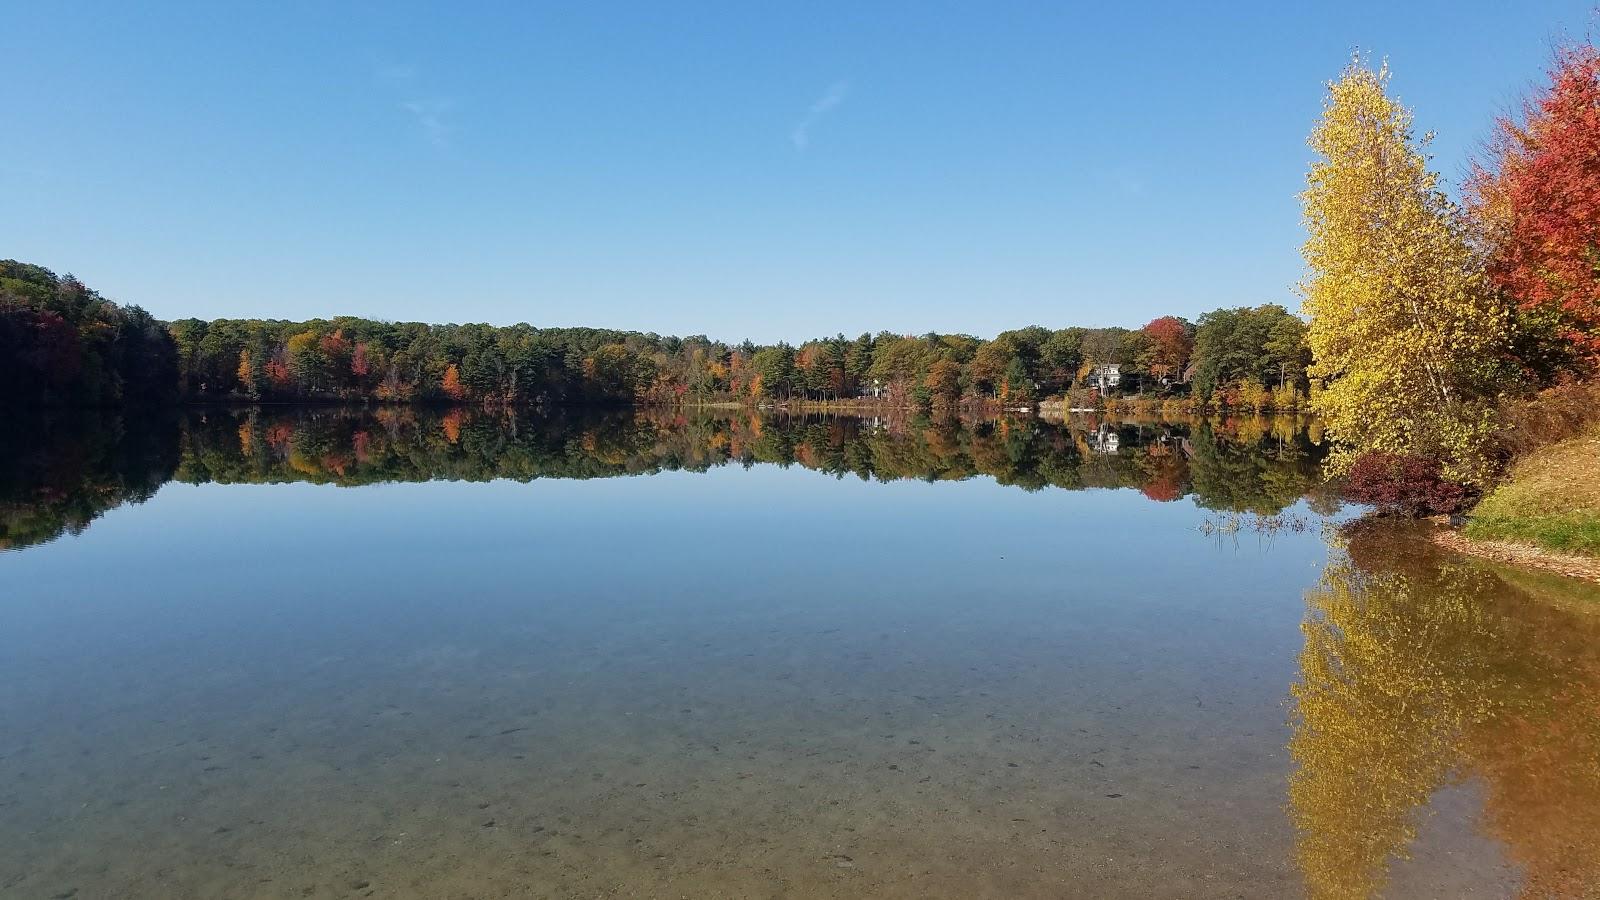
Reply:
x=396, y=652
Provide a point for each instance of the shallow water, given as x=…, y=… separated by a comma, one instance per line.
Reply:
x=410, y=654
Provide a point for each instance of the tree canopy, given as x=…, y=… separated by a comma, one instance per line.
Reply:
x=1538, y=197
x=63, y=344
x=1406, y=334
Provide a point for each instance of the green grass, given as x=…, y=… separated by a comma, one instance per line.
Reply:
x=1578, y=534
x=1551, y=499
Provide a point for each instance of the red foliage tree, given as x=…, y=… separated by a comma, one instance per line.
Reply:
x=278, y=371
x=335, y=345
x=1171, y=343
x=1540, y=194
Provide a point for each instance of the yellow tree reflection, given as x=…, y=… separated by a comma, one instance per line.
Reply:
x=1419, y=670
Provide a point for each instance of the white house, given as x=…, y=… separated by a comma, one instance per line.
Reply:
x=1106, y=376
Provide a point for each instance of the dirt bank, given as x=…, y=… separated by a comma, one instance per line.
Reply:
x=1583, y=567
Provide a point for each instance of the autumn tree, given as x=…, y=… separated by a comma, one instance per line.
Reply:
x=306, y=360
x=451, y=383
x=360, y=361
x=249, y=373
x=1169, y=342
x=1405, y=330
x=820, y=367
x=61, y=343
x=335, y=349
x=610, y=374
x=944, y=384
x=989, y=365
x=1539, y=196
x=1103, y=345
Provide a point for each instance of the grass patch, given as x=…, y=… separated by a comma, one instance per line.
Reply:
x=1551, y=499
x=1568, y=534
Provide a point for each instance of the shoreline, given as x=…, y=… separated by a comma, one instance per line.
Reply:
x=1522, y=555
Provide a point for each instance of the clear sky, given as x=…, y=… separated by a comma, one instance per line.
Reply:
x=736, y=169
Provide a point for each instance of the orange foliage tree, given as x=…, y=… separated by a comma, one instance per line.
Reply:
x=451, y=385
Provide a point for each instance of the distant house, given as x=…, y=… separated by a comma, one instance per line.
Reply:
x=1105, y=376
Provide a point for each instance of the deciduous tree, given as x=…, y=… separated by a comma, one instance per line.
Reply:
x=1404, y=326
x=1169, y=343
x=1539, y=195
x=451, y=383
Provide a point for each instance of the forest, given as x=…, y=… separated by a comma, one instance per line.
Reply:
x=70, y=346
x=62, y=344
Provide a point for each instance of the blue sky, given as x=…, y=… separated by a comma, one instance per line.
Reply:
x=739, y=170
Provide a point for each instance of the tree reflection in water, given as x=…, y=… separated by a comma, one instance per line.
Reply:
x=60, y=475
x=1422, y=670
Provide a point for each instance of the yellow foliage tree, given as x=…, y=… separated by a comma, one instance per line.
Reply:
x=1405, y=332
x=1251, y=394
x=246, y=373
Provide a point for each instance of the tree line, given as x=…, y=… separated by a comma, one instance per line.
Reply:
x=68, y=345
x=1252, y=357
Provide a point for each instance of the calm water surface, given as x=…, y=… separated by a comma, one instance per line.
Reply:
x=326, y=653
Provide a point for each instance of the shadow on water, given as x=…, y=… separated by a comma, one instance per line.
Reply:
x=1423, y=671
x=58, y=474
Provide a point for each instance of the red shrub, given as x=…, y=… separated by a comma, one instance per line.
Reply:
x=1408, y=485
